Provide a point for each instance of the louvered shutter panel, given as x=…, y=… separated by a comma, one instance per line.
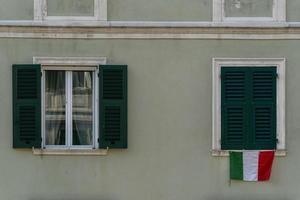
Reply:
x=263, y=108
x=113, y=106
x=26, y=106
x=234, y=109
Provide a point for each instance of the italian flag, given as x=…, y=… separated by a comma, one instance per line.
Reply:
x=251, y=165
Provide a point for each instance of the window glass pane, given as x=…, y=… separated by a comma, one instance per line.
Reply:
x=55, y=109
x=70, y=7
x=82, y=108
x=248, y=8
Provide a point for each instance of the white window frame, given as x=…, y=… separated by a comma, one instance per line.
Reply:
x=68, y=111
x=72, y=64
x=279, y=63
x=100, y=12
x=279, y=13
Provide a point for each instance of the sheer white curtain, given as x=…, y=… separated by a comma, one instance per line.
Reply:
x=82, y=94
x=55, y=110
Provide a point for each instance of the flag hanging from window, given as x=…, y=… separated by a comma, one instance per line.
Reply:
x=251, y=165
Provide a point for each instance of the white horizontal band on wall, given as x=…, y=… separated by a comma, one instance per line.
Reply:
x=161, y=24
x=140, y=30
x=150, y=36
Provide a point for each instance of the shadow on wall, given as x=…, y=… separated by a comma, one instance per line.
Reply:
x=212, y=197
x=236, y=197
x=72, y=198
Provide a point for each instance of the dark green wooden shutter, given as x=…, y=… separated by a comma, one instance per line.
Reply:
x=263, y=108
x=26, y=106
x=234, y=109
x=248, y=108
x=113, y=106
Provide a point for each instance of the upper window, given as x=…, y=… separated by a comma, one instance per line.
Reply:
x=70, y=10
x=249, y=10
x=248, y=104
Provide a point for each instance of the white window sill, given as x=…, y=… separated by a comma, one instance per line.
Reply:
x=223, y=153
x=70, y=152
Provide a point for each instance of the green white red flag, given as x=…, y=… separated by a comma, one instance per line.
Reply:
x=251, y=165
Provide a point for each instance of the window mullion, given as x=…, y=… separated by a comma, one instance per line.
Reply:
x=95, y=109
x=43, y=96
x=67, y=109
x=69, y=127
x=71, y=108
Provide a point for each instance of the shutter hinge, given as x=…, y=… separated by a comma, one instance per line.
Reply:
x=220, y=76
x=41, y=74
x=277, y=75
x=98, y=140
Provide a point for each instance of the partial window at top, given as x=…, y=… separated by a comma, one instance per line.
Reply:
x=70, y=7
x=70, y=10
x=249, y=10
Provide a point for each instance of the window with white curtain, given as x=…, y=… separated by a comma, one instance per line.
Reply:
x=69, y=107
x=70, y=101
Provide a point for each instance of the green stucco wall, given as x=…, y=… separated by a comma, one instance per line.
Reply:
x=169, y=126
x=16, y=9
x=173, y=10
x=293, y=13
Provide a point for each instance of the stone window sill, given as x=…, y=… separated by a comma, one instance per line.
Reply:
x=223, y=153
x=70, y=152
